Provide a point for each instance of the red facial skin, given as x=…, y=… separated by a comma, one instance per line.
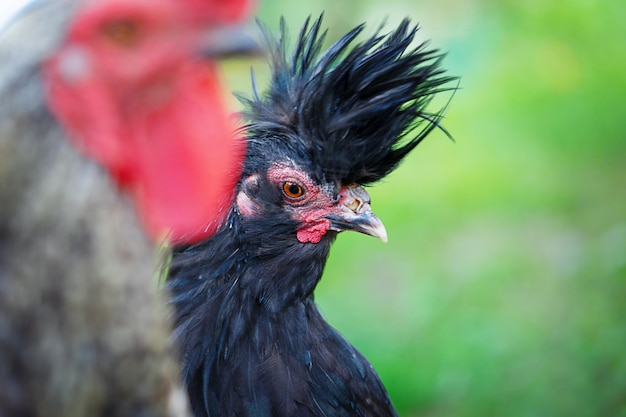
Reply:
x=217, y=11
x=128, y=88
x=309, y=209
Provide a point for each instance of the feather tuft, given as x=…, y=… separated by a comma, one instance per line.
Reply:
x=355, y=110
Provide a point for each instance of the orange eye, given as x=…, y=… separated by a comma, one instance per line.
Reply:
x=292, y=189
x=123, y=32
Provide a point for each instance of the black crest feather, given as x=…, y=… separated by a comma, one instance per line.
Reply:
x=353, y=111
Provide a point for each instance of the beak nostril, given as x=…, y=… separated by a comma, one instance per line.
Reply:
x=354, y=197
x=354, y=204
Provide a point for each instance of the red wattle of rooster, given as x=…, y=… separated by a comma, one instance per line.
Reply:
x=128, y=87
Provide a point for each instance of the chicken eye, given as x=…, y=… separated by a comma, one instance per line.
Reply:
x=292, y=189
x=123, y=32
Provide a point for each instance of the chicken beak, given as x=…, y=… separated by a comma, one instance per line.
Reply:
x=228, y=41
x=355, y=213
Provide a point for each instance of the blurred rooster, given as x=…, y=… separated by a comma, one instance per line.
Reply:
x=252, y=340
x=97, y=97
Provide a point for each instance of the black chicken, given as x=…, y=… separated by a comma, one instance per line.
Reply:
x=252, y=340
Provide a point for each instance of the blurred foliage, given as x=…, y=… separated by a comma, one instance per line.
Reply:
x=502, y=290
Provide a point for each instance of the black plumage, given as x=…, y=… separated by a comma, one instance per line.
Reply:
x=252, y=340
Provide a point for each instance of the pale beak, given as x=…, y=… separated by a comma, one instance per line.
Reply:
x=356, y=214
x=228, y=41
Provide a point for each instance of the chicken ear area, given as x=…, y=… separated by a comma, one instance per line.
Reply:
x=178, y=157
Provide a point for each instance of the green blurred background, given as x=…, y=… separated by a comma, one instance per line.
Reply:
x=502, y=290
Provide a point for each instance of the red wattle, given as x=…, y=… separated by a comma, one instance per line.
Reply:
x=313, y=232
x=175, y=151
x=150, y=114
x=187, y=160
